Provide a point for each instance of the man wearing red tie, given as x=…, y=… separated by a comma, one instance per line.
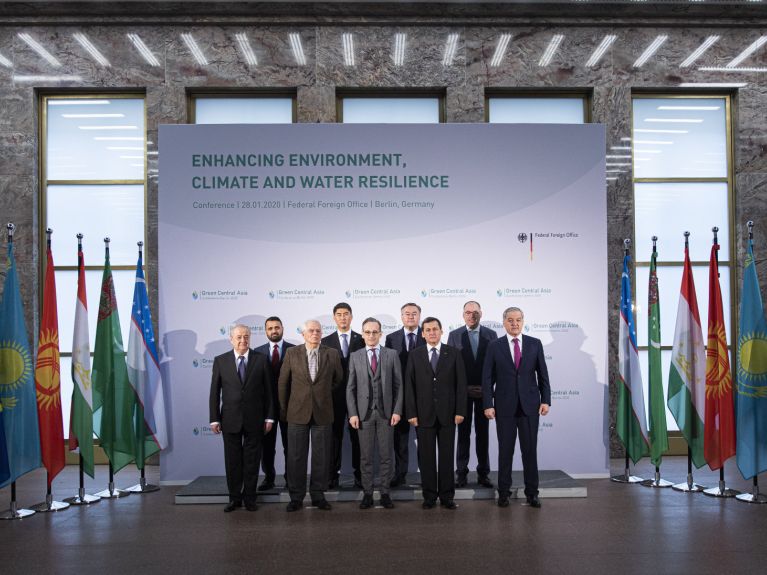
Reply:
x=515, y=392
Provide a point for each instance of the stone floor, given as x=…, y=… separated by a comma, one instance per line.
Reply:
x=616, y=529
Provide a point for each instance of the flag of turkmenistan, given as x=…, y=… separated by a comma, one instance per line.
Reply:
x=658, y=432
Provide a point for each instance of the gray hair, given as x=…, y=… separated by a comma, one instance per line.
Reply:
x=508, y=310
x=305, y=325
x=238, y=326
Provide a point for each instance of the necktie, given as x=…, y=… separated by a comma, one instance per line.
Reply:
x=241, y=368
x=434, y=359
x=373, y=361
x=517, y=353
x=313, y=364
x=474, y=340
x=410, y=341
x=276, y=359
x=344, y=345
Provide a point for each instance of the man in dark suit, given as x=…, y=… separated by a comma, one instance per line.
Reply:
x=374, y=402
x=310, y=373
x=344, y=341
x=274, y=351
x=403, y=341
x=516, y=391
x=242, y=407
x=435, y=392
x=472, y=340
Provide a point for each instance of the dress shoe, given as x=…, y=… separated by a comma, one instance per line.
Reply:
x=251, y=506
x=367, y=501
x=397, y=481
x=484, y=481
x=534, y=501
x=294, y=506
x=460, y=481
x=503, y=501
x=266, y=486
x=386, y=501
x=429, y=504
x=322, y=504
x=448, y=504
x=333, y=483
x=232, y=505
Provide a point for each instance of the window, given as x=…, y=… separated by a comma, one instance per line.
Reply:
x=390, y=109
x=242, y=108
x=543, y=109
x=682, y=182
x=93, y=182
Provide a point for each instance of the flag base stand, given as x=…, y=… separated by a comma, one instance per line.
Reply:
x=688, y=486
x=721, y=491
x=143, y=487
x=112, y=493
x=83, y=499
x=626, y=478
x=49, y=505
x=754, y=496
x=657, y=482
x=14, y=513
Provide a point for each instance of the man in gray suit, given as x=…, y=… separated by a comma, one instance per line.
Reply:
x=374, y=403
x=309, y=374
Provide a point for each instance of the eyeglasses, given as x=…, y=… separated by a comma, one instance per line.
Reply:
x=370, y=332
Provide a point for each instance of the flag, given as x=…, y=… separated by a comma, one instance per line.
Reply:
x=658, y=432
x=719, y=444
x=48, y=379
x=5, y=468
x=687, y=376
x=113, y=397
x=631, y=420
x=752, y=375
x=17, y=383
x=81, y=414
x=144, y=375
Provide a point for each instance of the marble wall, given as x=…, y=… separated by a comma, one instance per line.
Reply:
x=464, y=82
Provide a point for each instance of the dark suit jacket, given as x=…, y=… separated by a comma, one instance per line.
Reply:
x=459, y=338
x=355, y=342
x=302, y=399
x=396, y=341
x=435, y=397
x=359, y=389
x=241, y=406
x=266, y=350
x=503, y=387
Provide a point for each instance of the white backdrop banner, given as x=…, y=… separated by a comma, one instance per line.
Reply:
x=261, y=220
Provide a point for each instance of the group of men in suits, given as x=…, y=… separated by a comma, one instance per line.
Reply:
x=320, y=385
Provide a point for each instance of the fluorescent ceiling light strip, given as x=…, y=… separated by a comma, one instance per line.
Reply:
x=727, y=69
x=450, y=47
x=616, y=157
x=675, y=120
x=119, y=139
x=108, y=127
x=650, y=50
x=400, y=38
x=37, y=47
x=646, y=151
x=758, y=43
x=82, y=39
x=708, y=42
x=298, y=49
x=92, y=115
x=551, y=49
x=713, y=84
x=618, y=164
x=604, y=45
x=500, y=49
x=247, y=51
x=348, y=40
x=5, y=62
x=143, y=49
x=131, y=148
x=653, y=131
x=76, y=102
x=620, y=147
x=654, y=142
x=46, y=78
x=131, y=157
x=194, y=48
x=705, y=108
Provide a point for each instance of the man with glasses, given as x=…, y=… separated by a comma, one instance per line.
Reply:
x=374, y=402
x=472, y=340
x=403, y=341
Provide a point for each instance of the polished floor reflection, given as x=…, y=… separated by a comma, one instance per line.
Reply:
x=616, y=529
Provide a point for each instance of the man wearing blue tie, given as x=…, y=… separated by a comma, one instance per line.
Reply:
x=515, y=392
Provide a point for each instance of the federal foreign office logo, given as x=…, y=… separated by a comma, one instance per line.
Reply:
x=195, y=296
x=522, y=238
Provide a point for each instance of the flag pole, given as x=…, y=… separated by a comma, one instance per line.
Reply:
x=82, y=498
x=720, y=490
x=688, y=486
x=49, y=504
x=142, y=486
x=754, y=496
x=14, y=512
x=110, y=492
x=626, y=477
x=657, y=481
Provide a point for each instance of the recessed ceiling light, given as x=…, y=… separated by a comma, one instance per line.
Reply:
x=699, y=51
x=37, y=47
x=348, y=42
x=82, y=39
x=607, y=41
x=551, y=49
x=753, y=47
x=650, y=50
x=5, y=62
x=450, y=47
x=400, y=39
x=92, y=115
x=705, y=108
x=247, y=52
x=500, y=49
x=191, y=44
x=713, y=84
x=740, y=69
x=46, y=78
x=144, y=50
x=78, y=102
x=298, y=49
x=108, y=127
